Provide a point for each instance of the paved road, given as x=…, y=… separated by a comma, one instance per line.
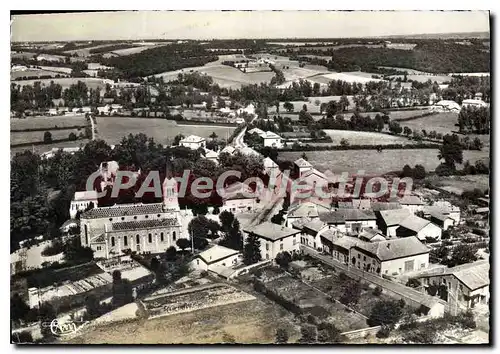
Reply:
x=93, y=127
x=238, y=140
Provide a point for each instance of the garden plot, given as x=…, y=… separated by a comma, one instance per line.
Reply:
x=194, y=299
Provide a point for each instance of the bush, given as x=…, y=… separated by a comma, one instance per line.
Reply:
x=466, y=319
x=383, y=332
x=51, y=250
x=377, y=291
x=385, y=313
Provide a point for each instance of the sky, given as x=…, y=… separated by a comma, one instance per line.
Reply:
x=127, y=25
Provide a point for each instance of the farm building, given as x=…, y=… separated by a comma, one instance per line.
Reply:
x=474, y=103
x=81, y=201
x=193, y=142
x=446, y=106
x=389, y=220
x=349, y=221
x=272, y=140
x=370, y=234
x=302, y=166
x=463, y=286
x=228, y=149
x=257, y=131
x=239, y=198
x=270, y=167
x=214, y=257
x=391, y=257
x=274, y=239
x=419, y=227
x=411, y=202
x=298, y=211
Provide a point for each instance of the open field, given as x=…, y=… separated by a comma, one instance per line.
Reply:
x=135, y=50
x=66, y=82
x=33, y=137
x=33, y=72
x=39, y=149
x=46, y=122
x=365, y=138
x=373, y=162
x=358, y=77
x=113, y=129
x=247, y=322
x=443, y=123
x=459, y=184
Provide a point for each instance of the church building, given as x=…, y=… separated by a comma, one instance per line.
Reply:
x=109, y=231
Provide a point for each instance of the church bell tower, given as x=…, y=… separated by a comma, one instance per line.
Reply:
x=170, y=192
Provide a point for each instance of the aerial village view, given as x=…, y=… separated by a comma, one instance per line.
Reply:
x=176, y=181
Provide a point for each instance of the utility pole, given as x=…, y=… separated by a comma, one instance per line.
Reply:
x=192, y=243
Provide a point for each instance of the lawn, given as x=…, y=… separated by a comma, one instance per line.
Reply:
x=33, y=137
x=113, y=129
x=373, y=162
x=46, y=122
x=443, y=123
x=246, y=322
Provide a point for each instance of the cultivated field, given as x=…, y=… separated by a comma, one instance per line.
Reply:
x=373, y=162
x=358, y=77
x=57, y=69
x=245, y=322
x=113, y=129
x=33, y=72
x=459, y=184
x=33, y=137
x=46, y=122
x=66, y=82
x=443, y=123
x=134, y=50
x=365, y=138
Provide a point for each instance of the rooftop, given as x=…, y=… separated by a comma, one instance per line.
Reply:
x=394, y=216
x=268, y=163
x=473, y=275
x=408, y=200
x=123, y=210
x=216, y=253
x=315, y=225
x=192, y=139
x=394, y=249
x=329, y=235
x=271, y=231
x=301, y=163
x=143, y=224
x=369, y=233
x=343, y=215
x=270, y=135
x=300, y=210
x=414, y=223
x=85, y=195
x=379, y=206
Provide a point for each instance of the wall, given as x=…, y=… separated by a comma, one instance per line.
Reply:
x=363, y=260
x=361, y=333
x=398, y=265
x=273, y=142
x=363, y=223
x=77, y=206
x=431, y=230
x=193, y=146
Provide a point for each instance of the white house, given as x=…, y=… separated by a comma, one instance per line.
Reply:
x=446, y=106
x=370, y=234
x=215, y=256
x=474, y=103
x=272, y=140
x=239, y=199
x=193, y=142
x=211, y=155
x=270, y=166
x=466, y=285
x=411, y=202
x=390, y=257
x=274, y=239
x=257, y=131
x=298, y=211
x=81, y=201
x=228, y=149
x=350, y=221
x=302, y=165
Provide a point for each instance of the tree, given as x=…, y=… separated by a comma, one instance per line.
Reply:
x=451, y=151
x=308, y=334
x=407, y=171
x=177, y=139
x=213, y=136
x=122, y=290
x=92, y=306
x=251, y=250
x=344, y=142
x=171, y=253
x=281, y=336
x=18, y=308
x=47, y=314
x=395, y=128
x=419, y=172
x=288, y=106
x=72, y=136
x=21, y=337
x=183, y=243
x=351, y=292
x=226, y=219
x=328, y=333
x=47, y=137
x=462, y=254
x=283, y=259
x=385, y=312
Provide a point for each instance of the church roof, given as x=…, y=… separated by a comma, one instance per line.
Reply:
x=123, y=210
x=143, y=224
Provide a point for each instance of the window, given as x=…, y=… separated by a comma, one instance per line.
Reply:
x=112, y=241
x=137, y=239
x=123, y=218
x=267, y=255
x=359, y=256
x=98, y=248
x=86, y=235
x=150, y=238
x=135, y=217
x=267, y=246
x=146, y=216
x=197, y=262
x=364, y=258
x=110, y=219
x=281, y=247
x=174, y=236
x=158, y=215
x=125, y=240
x=422, y=265
x=161, y=237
